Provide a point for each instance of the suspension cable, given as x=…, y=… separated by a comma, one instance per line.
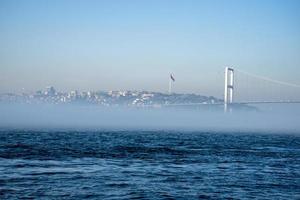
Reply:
x=269, y=79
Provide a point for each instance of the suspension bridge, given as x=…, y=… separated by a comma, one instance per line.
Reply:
x=245, y=88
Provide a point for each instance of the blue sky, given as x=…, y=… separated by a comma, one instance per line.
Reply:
x=111, y=45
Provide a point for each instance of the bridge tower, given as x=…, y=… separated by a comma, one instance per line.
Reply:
x=228, y=90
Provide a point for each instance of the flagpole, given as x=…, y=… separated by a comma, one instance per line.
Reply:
x=170, y=85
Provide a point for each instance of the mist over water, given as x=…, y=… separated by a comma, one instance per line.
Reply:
x=79, y=151
x=273, y=118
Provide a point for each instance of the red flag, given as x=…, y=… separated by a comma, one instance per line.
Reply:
x=171, y=76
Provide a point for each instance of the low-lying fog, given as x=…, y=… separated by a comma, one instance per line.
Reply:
x=274, y=118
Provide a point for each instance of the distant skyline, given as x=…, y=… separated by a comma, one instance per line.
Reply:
x=135, y=45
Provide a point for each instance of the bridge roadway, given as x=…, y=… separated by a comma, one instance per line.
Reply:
x=235, y=103
x=268, y=102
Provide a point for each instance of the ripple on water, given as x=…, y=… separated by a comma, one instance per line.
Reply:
x=148, y=165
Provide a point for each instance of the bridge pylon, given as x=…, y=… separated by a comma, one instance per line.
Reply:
x=229, y=87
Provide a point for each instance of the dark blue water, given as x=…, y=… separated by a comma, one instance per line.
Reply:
x=148, y=165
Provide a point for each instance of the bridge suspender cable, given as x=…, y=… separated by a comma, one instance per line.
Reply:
x=269, y=79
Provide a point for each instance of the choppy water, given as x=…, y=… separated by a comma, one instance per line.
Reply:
x=148, y=165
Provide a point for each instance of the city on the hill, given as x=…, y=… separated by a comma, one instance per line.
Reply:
x=123, y=98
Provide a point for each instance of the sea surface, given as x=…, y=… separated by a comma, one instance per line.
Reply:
x=148, y=165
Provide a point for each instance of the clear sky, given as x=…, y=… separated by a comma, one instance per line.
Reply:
x=134, y=45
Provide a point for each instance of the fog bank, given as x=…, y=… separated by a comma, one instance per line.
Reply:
x=274, y=119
